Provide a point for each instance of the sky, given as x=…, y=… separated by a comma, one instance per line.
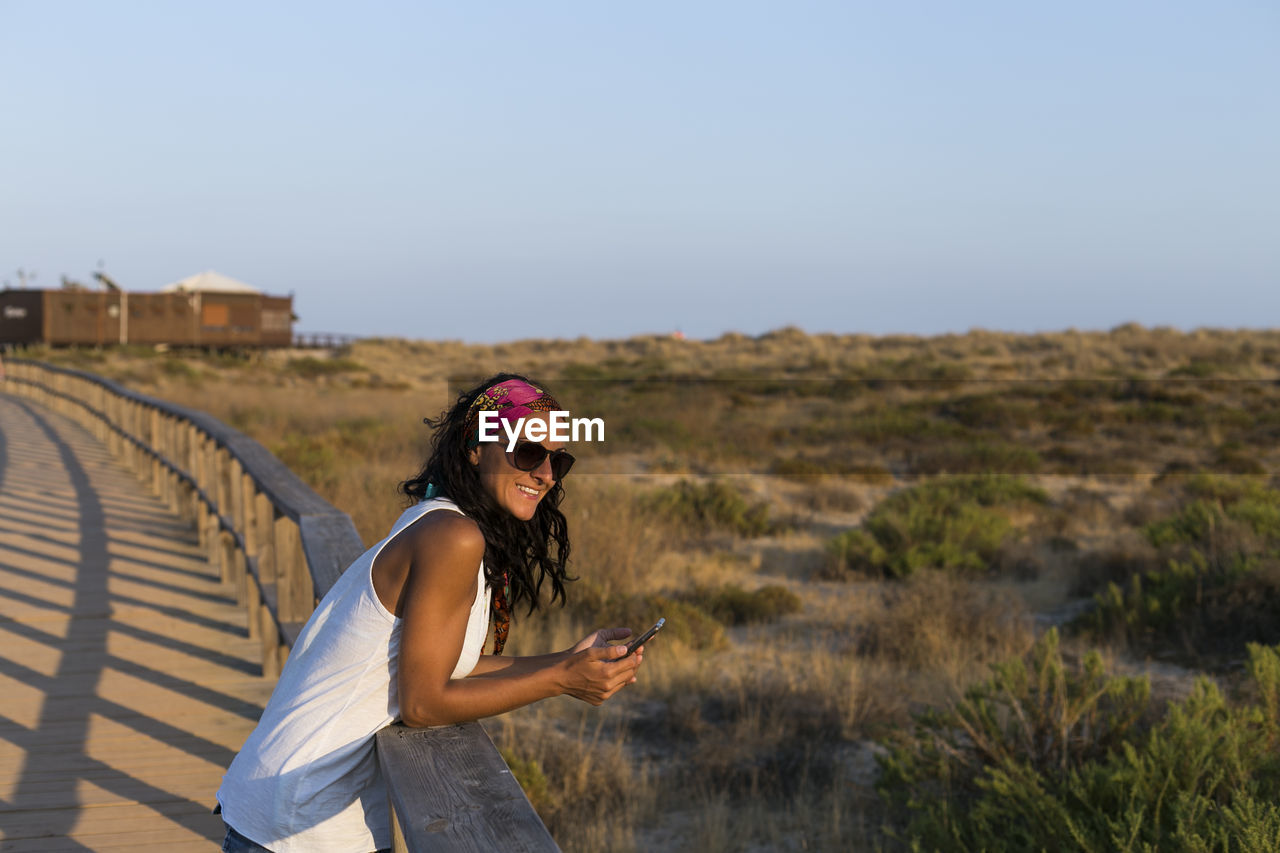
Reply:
x=494, y=171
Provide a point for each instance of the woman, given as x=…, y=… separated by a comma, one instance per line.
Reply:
x=400, y=635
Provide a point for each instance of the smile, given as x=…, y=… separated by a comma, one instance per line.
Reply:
x=533, y=493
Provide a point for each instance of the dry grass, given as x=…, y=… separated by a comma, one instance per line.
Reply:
x=759, y=737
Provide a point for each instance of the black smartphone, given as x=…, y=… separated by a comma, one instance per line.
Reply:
x=643, y=638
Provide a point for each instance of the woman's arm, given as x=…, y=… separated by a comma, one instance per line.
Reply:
x=490, y=665
x=444, y=557
x=508, y=665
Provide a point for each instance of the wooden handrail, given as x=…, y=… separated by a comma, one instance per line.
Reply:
x=283, y=546
x=432, y=811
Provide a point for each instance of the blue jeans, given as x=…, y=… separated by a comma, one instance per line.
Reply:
x=237, y=843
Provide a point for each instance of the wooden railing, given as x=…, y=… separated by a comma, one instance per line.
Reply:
x=453, y=791
x=269, y=534
x=283, y=546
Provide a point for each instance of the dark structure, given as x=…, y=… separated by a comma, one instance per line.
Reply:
x=102, y=317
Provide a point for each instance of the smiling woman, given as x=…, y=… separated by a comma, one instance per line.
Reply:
x=401, y=635
x=517, y=479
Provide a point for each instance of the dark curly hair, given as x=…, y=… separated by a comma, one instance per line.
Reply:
x=530, y=552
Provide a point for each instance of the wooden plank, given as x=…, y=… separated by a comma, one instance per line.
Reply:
x=22, y=549
x=25, y=520
x=118, y=712
x=115, y=819
x=451, y=790
x=159, y=840
x=122, y=726
x=177, y=553
x=131, y=761
x=85, y=791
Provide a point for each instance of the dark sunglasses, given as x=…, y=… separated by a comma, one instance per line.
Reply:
x=528, y=456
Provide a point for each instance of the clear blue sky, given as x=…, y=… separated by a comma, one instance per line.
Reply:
x=499, y=170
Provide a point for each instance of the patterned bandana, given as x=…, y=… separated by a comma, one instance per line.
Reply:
x=512, y=400
x=501, y=615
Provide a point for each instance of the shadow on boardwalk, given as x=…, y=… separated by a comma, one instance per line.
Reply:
x=127, y=679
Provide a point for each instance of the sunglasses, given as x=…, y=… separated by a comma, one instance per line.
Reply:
x=528, y=456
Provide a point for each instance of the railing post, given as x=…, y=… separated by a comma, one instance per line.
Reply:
x=162, y=480
x=226, y=558
x=186, y=444
x=245, y=524
x=286, y=554
x=209, y=483
x=202, y=522
x=128, y=452
x=293, y=583
x=264, y=514
x=222, y=478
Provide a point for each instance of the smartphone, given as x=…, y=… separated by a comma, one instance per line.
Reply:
x=643, y=638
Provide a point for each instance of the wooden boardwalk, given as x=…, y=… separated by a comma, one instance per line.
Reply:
x=127, y=678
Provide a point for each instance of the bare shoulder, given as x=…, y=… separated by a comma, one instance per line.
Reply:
x=446, y=536
x=443, y=545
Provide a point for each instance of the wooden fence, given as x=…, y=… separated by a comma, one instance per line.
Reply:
x=283, y=546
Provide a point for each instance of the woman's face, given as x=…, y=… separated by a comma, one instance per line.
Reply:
x=516, y=491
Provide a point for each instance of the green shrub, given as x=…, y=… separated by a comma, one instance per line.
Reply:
x=529, y=774
x=1048, y=757
x=1220, y=553
x=310, y=367
x=363, y=435
x=1233, y=457
x=952, y=523
x=686, y=622
x=712, y=506
x=987, y=490
x=311, y=457
x=179, y=368
x=668, y=433
x=1214, y=502
x=1199, y=368
x=1202, y=608
x=734, y=605
x=976, y=457
x=884, y=424
x=798, y=467
x=991, y=411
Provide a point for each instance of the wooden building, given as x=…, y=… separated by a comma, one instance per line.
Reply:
x=184, y=314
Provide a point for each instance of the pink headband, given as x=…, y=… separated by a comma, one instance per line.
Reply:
x=512, y=399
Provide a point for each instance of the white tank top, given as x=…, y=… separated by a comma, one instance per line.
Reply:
x=307, y=780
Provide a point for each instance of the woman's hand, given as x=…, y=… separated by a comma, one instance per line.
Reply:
x=594, y=673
